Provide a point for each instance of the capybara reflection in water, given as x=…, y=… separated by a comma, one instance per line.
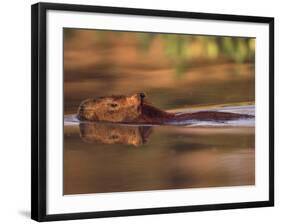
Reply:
x=135, y=109
x=94, y=132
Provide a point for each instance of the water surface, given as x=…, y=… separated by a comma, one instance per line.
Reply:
x=105, y=157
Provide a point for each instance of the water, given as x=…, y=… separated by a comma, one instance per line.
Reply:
x=105, y=157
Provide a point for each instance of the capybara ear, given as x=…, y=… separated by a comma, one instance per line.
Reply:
x=142, y=95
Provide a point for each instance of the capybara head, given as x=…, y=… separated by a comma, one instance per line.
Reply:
x=112, y=108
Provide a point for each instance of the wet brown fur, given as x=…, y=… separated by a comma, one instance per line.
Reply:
x=133, y=109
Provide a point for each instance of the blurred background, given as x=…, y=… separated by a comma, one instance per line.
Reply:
x=174, y=70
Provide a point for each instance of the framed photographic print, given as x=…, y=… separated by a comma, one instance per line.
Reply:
x=139, y=111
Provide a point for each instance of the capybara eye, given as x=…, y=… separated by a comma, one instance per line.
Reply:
x=113, y=104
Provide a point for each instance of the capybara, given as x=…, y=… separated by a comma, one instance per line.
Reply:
x=134, y=109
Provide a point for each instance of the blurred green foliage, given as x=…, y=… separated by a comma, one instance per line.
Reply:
x=180, y=48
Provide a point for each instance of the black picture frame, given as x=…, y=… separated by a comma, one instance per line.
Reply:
x=38, y=108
